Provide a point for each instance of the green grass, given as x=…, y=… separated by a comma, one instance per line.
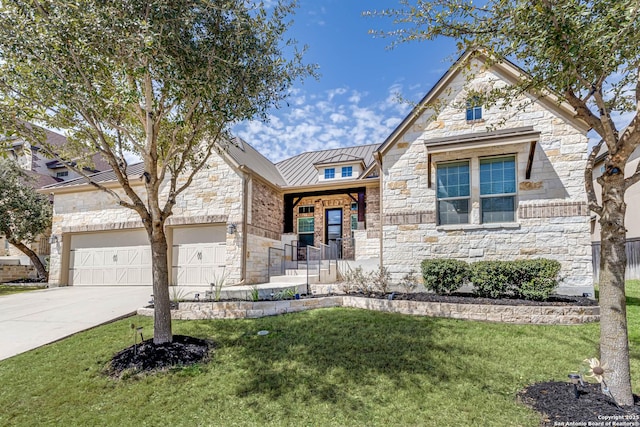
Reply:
x=9, y=289
x=331, y=367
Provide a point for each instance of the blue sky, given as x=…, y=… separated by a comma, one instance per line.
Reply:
x=354, y=101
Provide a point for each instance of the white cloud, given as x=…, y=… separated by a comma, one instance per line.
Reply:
x=329, y=121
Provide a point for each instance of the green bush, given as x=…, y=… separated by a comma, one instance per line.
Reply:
x=532, y=279
x=490, y=279
x=444, y=276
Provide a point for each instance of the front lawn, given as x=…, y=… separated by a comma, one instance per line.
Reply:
x=12, y=289
x=340, y=367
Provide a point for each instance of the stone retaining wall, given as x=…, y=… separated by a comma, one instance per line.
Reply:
x=518, y=314
x=9, y=273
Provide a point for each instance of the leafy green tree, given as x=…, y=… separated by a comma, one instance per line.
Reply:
x=163, y=79
x=25, y=215
x=586, y=53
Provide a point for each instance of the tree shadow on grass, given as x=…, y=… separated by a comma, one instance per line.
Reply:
x=318, y=354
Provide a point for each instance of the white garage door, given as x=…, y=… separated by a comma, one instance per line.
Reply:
x=110, y=258
x=199, y=254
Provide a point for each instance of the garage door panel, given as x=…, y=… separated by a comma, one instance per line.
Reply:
x=110, y=258
x=199, y=255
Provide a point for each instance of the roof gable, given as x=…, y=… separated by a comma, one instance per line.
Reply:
x=506, y=70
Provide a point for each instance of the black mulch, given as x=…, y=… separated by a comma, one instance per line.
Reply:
x=149, y=357
x=557, y=403
x=466, y=298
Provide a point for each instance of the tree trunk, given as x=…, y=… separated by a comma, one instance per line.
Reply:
x=159, y=265
x=35, y=260
x=614, y=342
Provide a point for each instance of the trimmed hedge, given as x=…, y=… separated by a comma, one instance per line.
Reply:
x=444, y=276
x=532, y=279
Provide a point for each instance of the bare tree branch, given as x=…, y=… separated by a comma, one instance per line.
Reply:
x=588, y=179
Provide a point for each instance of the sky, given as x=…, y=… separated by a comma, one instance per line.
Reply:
x=355, y=100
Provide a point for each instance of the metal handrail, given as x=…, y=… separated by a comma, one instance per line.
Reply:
x=274, y=255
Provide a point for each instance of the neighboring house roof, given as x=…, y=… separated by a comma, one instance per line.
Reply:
x=101, y=177
x=41, y=180
x=300, y=170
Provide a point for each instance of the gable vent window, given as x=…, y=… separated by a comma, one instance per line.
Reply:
x=329, y=173
x=474, y=109
x=347, y=171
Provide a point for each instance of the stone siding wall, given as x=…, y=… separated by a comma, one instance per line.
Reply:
x=9, y=273
x=215, y=192
x=518, y=314
x=552, y=218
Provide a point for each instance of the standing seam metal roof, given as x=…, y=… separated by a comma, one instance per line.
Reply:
x=300, y=170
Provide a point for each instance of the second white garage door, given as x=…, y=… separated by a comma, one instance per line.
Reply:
x=110, y=258
x=199, y=254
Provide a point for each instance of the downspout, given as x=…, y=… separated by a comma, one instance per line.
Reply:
x=378, y=158
x=245, y=215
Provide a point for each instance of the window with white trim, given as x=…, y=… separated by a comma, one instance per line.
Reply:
x=329, y=173
x=474, y=109
x=347, y=171
x=497, y=189
x=453, y=192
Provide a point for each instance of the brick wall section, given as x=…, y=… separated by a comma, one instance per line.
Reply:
x=553, y=210
x=552, y=221
x=267, y=206
x=367, y=243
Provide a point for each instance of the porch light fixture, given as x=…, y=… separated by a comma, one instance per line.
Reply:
x=53, y=239
x=232, y=228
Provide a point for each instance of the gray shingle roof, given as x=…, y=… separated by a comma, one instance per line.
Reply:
x=300, y=170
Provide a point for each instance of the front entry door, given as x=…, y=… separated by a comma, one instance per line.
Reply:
x=333, y=230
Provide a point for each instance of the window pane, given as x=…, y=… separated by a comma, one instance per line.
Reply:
x=498, y=209
x=329, y=173
x=453, y=211
x=453, y=180
x=347, y=171
x=305, y=225
x=354, y=222
x=497, y=175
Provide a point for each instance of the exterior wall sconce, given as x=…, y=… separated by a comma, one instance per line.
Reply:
x=53, y=239
x=232, y=228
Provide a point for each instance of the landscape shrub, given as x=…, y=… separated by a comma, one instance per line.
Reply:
x=491, y=279
x=444, y=276
x=537, y=278
x=532, y=279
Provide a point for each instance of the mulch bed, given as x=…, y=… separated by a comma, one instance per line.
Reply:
x=466, y=298
x=149, y=357
x=557, y=403
x=459, y=298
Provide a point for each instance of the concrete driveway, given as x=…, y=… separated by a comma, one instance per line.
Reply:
x=31, y=319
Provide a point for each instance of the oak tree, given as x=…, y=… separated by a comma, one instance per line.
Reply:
x=25, y=214
x=587, y=54
x=161, y=79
